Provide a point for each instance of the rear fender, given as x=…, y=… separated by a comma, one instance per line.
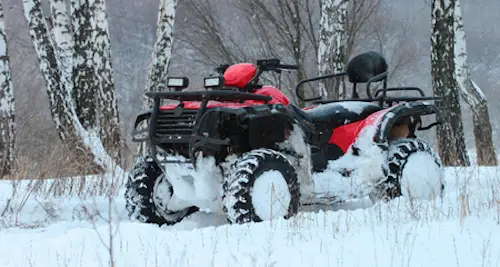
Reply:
x=140, y=132
x=384, y=120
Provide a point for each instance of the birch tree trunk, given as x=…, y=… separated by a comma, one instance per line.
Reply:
x=85, y=145
x=7, y=106
x=83, y=48
x=473, y=96
x=160, y=58
x=62, y=33
x=109, y=120
x=162, y=50
x=83, y=74
x=331, y=48
x=450, y=134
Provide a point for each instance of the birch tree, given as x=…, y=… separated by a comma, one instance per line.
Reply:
x=109, y=120
x=450, y=134
x=162, y=50
x=85, y=145
x=160, y=58
x=7, y=106
x=83, y=48
x=82, y=44
x=473, y=96
x=331, y=49
x=83, y=73
x=62, y=34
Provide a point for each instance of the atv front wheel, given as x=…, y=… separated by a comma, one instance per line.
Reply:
x=415, y=171
x=261, y=185
x=143, y=181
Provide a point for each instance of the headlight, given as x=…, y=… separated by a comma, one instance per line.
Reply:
x=178, y=83
x=213, y=82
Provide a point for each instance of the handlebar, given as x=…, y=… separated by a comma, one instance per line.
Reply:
x=287, y=67
x=273, y=64
x=222, y=68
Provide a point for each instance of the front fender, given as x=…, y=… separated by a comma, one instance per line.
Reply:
x=141, y=134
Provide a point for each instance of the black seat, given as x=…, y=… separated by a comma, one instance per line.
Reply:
x=335, y=114
x=366, y=66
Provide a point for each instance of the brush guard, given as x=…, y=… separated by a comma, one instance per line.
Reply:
x=179, y=126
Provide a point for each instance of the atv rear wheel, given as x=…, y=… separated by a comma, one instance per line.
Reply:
x=144, y=178
x=415, y=171
x=261, y=185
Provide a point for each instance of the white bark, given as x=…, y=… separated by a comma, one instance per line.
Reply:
x=83, y=67
x=85, y=144
x=109, y=123
x=85, y=55
x=160, y=58
x=162, y=50
x=473, y=95
x=332, y=45
x=62, y=35
x=7, y=106
x=450, y=134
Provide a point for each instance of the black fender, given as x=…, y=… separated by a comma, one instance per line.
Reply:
x=392, y=115
x=141, y=135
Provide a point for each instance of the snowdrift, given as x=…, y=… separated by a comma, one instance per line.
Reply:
x=458, y=230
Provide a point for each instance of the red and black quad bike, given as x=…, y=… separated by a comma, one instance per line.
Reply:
x=242, y=148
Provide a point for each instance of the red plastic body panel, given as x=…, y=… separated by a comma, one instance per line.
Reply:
x=275, y=93
x=277, y=98
x=345, y=135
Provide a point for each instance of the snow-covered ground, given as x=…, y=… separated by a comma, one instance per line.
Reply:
x=462, y=229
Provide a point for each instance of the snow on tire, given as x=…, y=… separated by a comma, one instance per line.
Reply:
x=139, y=194
x=261, y=185
x=414, y=171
